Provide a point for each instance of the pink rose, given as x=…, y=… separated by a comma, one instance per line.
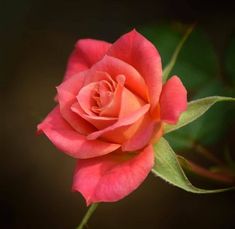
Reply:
x=111, y=108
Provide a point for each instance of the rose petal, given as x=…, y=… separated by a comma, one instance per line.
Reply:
x=86, y=53
x=98, y=121
x=86, y=100
x=112, y=177
x=113, y=108
x=115, y=67
x=158, y=134
x=137, y=51
x=122, y=122
x=173, y=100
x=67, y=92
x=129, y=103
x=143, y=136
x=69, y=141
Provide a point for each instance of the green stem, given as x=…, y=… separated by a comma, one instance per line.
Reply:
x=197, y=169
x=206, y=153
x=173, y=59
x=87, y=216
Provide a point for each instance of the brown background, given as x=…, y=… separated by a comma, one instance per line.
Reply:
x=36, y=39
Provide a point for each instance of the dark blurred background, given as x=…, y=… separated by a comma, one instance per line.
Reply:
x=36, y=40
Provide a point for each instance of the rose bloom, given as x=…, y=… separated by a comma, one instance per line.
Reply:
x=111, y=108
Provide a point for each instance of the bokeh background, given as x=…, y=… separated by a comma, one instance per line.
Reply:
x=36, y=40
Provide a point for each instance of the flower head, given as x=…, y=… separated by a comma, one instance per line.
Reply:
x=111, y=109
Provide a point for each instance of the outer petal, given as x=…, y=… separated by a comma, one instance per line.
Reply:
x=69, y=141
x=86, y=53
x=173, y=100
x=137, y=51
x=112, y=177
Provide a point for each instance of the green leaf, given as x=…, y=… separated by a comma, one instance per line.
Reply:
x=209, y=128
x=168, y=168
x=167, y=70
x=195, y=109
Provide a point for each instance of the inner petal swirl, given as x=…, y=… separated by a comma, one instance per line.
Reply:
x=102, y=98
